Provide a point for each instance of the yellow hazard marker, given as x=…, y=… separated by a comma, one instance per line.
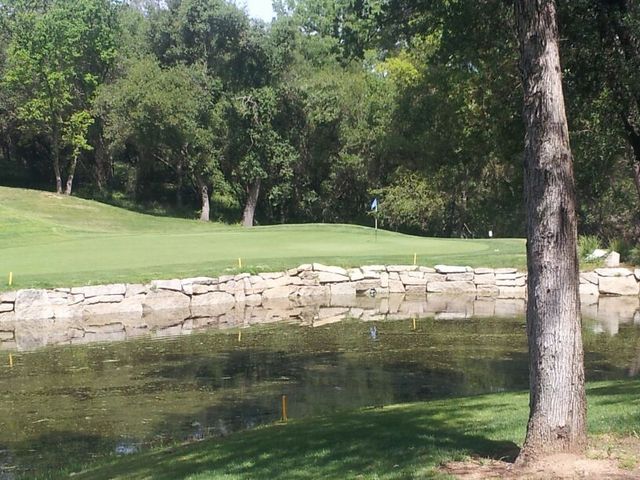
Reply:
x=11, y=360
x=414, y=323
x=284, y=408
x=415, y=258
x=10, y=278
x=239, y=262
x=239, y=335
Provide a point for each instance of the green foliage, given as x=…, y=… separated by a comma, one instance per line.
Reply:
x=586, y=245
x=412, y=202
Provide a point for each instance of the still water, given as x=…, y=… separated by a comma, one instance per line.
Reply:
x=61, y=407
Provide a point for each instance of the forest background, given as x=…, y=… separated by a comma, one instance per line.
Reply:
x=192, y=108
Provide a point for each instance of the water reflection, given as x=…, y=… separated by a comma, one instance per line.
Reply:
x=607, y=314
x=62, y=406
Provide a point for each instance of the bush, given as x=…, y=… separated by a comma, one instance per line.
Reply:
x=586, y=245
x=634, y=255
x=621, y=246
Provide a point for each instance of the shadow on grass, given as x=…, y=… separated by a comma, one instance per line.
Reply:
x=377, y=443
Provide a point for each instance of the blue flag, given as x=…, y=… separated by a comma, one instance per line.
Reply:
x=374, y=205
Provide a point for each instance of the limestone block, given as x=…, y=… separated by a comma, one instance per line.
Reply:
x=435, y=277
x=240, y=296
x=355, y=312
x=253, y=300
x=374, y=268
x=343, y=289
x=7, y=318
x=619, y=285
x=636, y=272
x=103, y=299
x=67, y=311
x=394, y=276
x=33, y=304
x=484, y=279
x=384, y=280
x=229, y=286
x=305, y=267
x=313, y=291
x=451, y=287
x=129, y=307
x=292, y=271
x=589, y=289
x=483, y=271
x=6, y=307
x=100, y=290
x=225, y=278
x=135, y=289
x=505, y=271
x=355, y=274
x=198, y=289
x=412, y=280
x=329, y=277
x=175, y=285
x=589, y=277
x=487, y=291
x=366, y=285
x=613, y=272
x=9, y=297
x=242, y=276
x=612, y=260
x=401, y=268
x=427, y=269
x=512, y=292
x=459, y=277
x=396, y=286
x=516, y=282
x=211, y=304
x=278, y=292
x=165, y=299
x=415, y=289
x=282, y=281
x=318, y=267
x=374, y=275
x=329, y=312
x=445, y=269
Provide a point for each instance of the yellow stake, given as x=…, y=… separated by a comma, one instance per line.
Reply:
x=11, y=360
x=239, y=262
x=239, y=335
x=284, y=408
x=415, y=258
x=10, y=278
x=414, y=323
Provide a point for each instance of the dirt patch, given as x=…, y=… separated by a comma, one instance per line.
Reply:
x=607, y=458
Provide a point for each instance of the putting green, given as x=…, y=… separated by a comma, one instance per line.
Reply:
x=52, y=240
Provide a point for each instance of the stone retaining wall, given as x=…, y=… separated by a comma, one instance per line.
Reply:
x=103, y=308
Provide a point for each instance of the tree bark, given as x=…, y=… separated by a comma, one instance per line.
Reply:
x=557, y=417
x=204, y=196
x=72, y=172
x=252, y=202
x=55, y=147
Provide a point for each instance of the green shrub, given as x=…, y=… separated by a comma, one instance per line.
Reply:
x=586, y=245
x=622, y=246
x=633, y=256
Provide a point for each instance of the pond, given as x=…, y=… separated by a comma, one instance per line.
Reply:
x=63, y=406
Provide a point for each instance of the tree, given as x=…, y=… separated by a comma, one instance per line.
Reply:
x=58, y=55
x=557, y=419
x=169, y=117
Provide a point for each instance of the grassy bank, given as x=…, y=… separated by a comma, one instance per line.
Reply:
x=52, y=240
x=397, y=442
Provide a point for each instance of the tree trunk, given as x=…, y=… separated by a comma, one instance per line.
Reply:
x=72, y=172
x=204, y=195
x=250, y=206
x=179, y=184
x=55, y=147
x=556, y=371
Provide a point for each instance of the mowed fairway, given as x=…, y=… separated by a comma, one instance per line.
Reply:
x=51, y=240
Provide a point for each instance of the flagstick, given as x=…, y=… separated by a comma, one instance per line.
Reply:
x=376, y=228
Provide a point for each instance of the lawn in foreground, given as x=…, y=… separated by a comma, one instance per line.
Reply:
x=396, y=442
x=51, y=240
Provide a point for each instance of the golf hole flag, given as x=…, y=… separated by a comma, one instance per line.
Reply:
x=374, y=205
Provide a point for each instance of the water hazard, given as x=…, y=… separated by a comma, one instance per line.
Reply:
x=62, y=406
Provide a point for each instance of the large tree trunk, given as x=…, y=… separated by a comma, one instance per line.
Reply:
x=72, y=172
x=55, y=147
x=556, y=371
x=204, y=196
x=250, y=206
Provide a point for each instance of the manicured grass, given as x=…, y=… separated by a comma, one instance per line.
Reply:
x=52, y=240
x=397, y=442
